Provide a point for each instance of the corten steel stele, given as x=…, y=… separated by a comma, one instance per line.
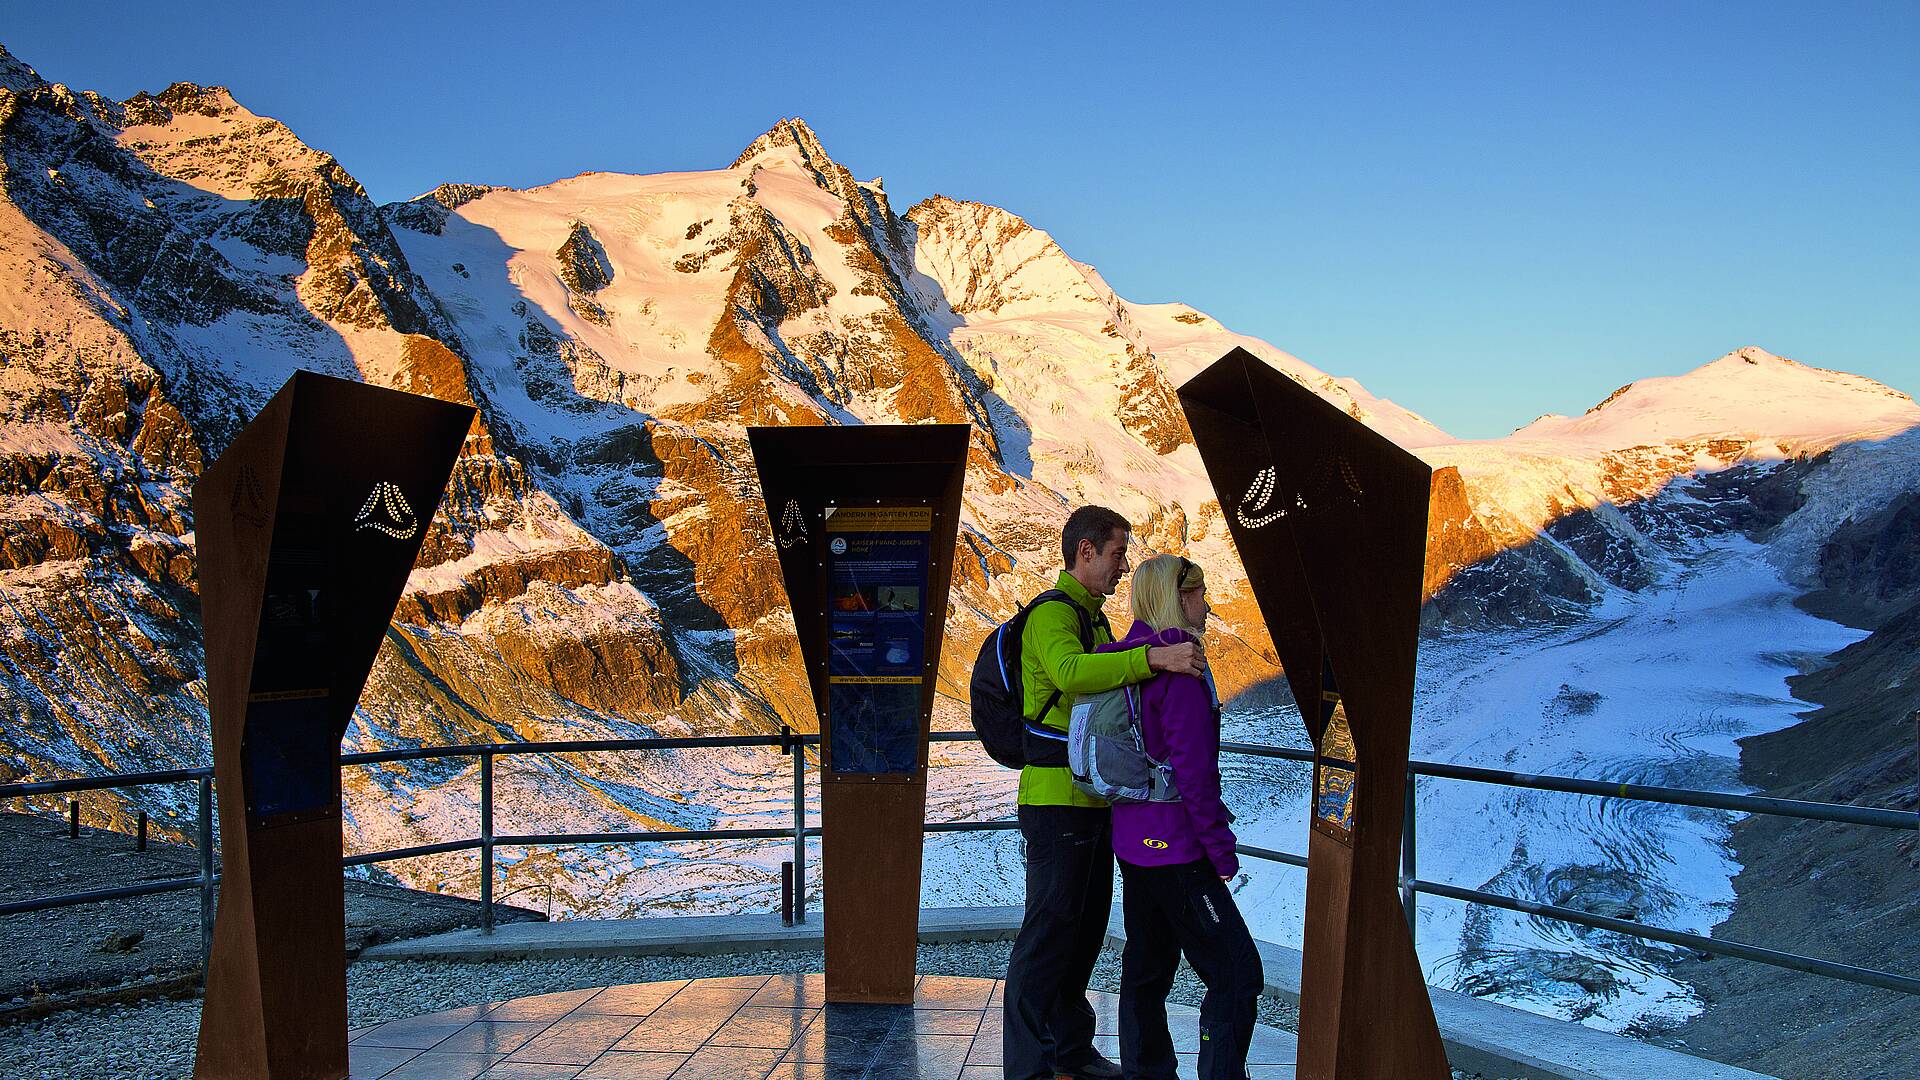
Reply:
x=871, y=825
x=1330, y=518
x=306, y=529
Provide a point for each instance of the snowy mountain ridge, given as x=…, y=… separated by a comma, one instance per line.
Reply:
x=1749, y=393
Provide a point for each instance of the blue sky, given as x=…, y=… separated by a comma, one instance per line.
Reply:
x=1484, y=211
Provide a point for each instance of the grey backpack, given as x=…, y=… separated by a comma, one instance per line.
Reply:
x=1107, y=754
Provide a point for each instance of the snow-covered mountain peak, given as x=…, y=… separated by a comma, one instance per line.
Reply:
x=790, y=140
x=790, y=147
x=1747, y=394
x=16, y=74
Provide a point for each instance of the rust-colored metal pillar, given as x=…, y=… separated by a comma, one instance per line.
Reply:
x=864, y=519
x=305, y=530
x=1330, y=519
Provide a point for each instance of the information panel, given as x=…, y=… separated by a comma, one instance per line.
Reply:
x=1336, y=763
x=1333, y=787
x=876, y=598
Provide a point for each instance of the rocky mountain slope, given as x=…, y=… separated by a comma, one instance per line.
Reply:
x=1840, y=892
x=600, y=566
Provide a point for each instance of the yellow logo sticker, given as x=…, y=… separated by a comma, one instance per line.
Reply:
x=1157, y=845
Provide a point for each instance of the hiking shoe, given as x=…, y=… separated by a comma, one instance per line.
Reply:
x=1094, y=1068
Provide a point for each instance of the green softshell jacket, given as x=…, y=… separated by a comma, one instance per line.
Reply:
x=1051, y=656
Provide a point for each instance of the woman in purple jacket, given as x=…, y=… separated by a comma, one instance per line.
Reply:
x=1175, y=858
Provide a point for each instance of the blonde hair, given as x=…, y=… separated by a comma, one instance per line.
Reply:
x=1156, y=590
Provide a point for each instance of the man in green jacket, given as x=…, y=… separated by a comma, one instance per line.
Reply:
x=1048, y=1023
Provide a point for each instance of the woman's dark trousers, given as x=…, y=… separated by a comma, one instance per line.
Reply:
x=1171, y=910
x=1048, y=1021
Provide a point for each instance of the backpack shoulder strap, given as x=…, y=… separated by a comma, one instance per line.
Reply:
x=1086, y=617
x=1052, y=700
x=1086, y=637
x=1050, y=594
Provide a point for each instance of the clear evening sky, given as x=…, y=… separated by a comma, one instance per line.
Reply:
x=1483, y=211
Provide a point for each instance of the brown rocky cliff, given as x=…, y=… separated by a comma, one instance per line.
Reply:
x=1638, y=473
x=715, y=520
x=1456, y=538
x=100, y=652
x=1149, y=407
x=580, y=640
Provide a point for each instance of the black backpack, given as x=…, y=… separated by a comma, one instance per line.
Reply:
x=1009, y=736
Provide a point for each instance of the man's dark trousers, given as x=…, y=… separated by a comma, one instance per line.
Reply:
x=1049, y=1024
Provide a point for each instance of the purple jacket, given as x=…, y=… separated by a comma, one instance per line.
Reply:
x=1181, y=721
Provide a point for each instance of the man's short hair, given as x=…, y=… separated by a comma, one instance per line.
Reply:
x=1095, y=523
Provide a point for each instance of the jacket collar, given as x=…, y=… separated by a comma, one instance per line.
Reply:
x=1071, y=586
x=1144, y=634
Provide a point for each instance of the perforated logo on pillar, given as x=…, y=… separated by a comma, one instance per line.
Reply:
x=386, y=512
x=793, y=525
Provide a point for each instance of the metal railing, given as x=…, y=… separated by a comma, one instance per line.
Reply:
x=1411, y=885
x=792, y=745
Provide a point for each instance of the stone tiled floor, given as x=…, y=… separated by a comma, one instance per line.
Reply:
x=757, y=1027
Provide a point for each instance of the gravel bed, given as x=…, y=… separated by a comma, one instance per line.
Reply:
x=154, y=1040
x=80, y=955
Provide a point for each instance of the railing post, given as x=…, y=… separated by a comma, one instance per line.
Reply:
x=73, y=819
x=799, y=827
x=786, y=893
x=1409, y=899
x=486, y=841
x=140, y=833
x=204, y=840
